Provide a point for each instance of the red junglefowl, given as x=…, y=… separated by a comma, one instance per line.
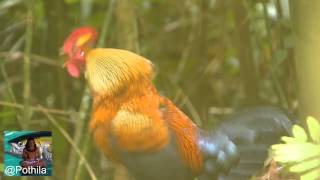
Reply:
x=135, y=126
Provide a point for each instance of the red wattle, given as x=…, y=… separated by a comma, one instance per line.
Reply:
x=73, y=70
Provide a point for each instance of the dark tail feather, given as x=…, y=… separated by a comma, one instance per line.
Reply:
x=253, y=131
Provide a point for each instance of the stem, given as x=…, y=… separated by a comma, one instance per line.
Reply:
x=127, y=30
x=70, y=140
x=306, y=28
x=106, y=23
x=4, y=73
x=86, y=147
x=244, y=50
x=26, y=65
x=78, y=134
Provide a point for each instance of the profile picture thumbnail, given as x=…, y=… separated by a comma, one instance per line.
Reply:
x=27, y=153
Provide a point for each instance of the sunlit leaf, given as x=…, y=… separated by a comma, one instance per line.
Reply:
x=306, y=165
x=314, y=128
x=313, y=175
x=299, y=133
x=295, y=152
x=288, y=139
x=299, y=153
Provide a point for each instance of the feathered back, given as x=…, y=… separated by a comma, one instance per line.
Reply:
x=113, y=72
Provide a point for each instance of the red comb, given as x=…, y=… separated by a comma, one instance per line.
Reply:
x=73, y=37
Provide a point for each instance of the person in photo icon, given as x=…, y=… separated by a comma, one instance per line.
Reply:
x=31, y=155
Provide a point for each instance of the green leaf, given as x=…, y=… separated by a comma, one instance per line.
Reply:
x=305, y=166
x=299, y=133
x=288, y=139
x=313, y=175
x=314, y=129
x=299, y=153
x=295, y=152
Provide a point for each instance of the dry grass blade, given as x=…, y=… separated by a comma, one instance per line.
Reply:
x=70, y=140
x=20, y=106
x=8, y=4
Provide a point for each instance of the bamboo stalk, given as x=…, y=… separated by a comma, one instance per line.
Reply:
x=26, y=66
x=306, y=28
x=127, y=30
x=244, y=52
x=106, y=23
x=86, y=9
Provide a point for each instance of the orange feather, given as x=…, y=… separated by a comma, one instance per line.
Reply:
x=186, y=133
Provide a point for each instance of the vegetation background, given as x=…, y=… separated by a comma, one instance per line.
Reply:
x=211, y=56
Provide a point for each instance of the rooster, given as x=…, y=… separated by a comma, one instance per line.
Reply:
x=134, y=125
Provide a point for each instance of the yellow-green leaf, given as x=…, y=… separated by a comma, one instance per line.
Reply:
x=299, y=153
x=305, y=165
x=313, y=175
x=314, y=128
x=299, y=133
x=295, y=152
x=288, y=139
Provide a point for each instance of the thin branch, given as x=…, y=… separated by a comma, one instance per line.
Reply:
x=12, y=27
x=35, y=58
x=192, y=35
x=45, y=60
x=8, y=4
x=86, y=147
x=70, y=140
x=187, y=102
x=32, y=108
x=244, y=52
x=220, y=110
x=8, y=83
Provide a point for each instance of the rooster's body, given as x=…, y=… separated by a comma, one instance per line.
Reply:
x=135, y=126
